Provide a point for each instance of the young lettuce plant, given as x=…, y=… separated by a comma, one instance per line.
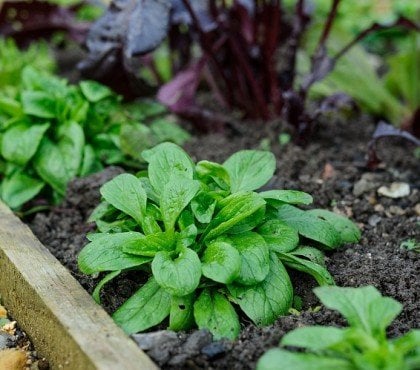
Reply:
x=360, y=346
x=51, y=132
x=208, y=240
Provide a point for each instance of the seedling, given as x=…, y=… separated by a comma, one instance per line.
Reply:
x=362, y=345
x=208, y=241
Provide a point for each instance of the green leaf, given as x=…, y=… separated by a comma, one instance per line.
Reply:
x=134, y=138
x=176, y=195
x=203, y=206
x=167, y=160
x=20, y=142
x=125, y=192
x=279, y=236
x=10, y=106
x=408, y=342
x=39, y=104
x=250, y=169
x=152, y=244
x=288, y=196
x=178, y=277
x=348, y=230
x=96, y=295
x=166, y=130
x=320, y=273
x=119, y=226
x=216, y=172
x=254, y=256
x=212, y=311
x=90, y=164
x=147, y=186
x=300, y=361
x=221, y=262
x=236, y=208
x=149, y=306
x=19, y=188
x=51, y=166
x=312, y=254
x=363, y=307
x=181, y=316
x=309, y=225
x=187, y=236
x=263, y=303
x=94, y=91
x=105, y=253
x=71, y=144
x=314, y=338
x=249, y=223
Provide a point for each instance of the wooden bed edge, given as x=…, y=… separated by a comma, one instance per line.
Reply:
x=62, y=320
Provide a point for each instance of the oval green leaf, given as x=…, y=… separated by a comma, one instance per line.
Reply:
x=180, y=276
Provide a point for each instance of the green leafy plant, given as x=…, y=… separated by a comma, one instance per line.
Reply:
x=395, y=96
x=362, y=345
x=207, y=241
x=13, y=61
x=51, y=132
x=411, y=245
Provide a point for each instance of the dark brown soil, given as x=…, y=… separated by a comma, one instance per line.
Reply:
x=330, y=168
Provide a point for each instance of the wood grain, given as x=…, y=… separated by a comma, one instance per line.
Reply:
x=62, y=320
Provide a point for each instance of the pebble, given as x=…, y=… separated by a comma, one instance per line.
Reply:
x=395, y=190
x=196, y=341
x=6, y=340
x=147, y=341
x=417, y=209
x=374, y=220
x=12, y=359
x=214, y=350
x=158, y=344
x=367, y=182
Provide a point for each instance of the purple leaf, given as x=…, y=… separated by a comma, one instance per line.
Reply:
x=383, y=130
x=127, y=29
x=179, y=94
x=181, y=15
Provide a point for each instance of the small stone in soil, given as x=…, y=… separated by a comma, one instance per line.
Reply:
x=368, y=181
x=374, y=220
x=395, y=190
x=196, y=341
x=6, y=340
x=214, y=350
x=157, y=344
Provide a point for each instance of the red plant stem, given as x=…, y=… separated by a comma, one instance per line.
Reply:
x=299, y=23
x=242, y=60
x=209, y=50
x=208, y=76
x=244, y=101
x=327, y=26
x=272, y=31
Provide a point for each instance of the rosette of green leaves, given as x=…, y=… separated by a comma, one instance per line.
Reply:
x=209, y=241
x=362, y=345
x=51, y=132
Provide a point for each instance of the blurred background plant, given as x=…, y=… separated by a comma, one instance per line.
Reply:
x=211, y=61
x=52, y=131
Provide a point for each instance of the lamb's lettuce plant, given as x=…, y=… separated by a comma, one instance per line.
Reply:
x=208, y=240
x=363, y=345
x=51, y=132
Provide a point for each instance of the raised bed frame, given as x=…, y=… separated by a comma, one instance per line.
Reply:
x=62, y=320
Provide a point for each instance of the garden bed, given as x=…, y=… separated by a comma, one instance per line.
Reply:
x=62, y=321
x=332, y=169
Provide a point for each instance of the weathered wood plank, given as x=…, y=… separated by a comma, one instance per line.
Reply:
x=62, y=320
